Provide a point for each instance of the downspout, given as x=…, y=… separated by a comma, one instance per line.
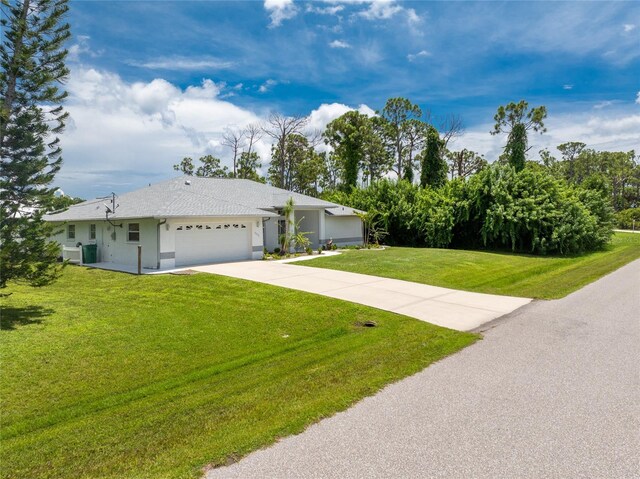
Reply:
x=264, y=232
x=160, y=223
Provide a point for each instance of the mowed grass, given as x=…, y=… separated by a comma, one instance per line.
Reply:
x=544, y=277
x=108, y=375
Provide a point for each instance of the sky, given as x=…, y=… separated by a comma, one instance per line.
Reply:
x=154, y=81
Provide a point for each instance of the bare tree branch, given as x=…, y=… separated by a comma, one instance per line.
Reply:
x=233, y=139
x=280, y=128
x=253, y=133
x=450, y=126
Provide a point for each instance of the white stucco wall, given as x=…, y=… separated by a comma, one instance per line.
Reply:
x=343, y=230
x=115, y=250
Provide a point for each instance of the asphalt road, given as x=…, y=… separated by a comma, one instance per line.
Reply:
x=552, y=391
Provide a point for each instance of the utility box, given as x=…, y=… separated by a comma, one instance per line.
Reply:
x=90, y=253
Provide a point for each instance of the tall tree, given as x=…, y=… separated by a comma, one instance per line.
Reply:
x=376, y=162
x=248, y=166
x=451, y=126
x=253, y=133
x=210, y=167
x=185, y=166
x=516, y=120
x=234, y=140
x=465, y=163
x=392, y=124
x=32, y=61
x=416, y=133
x=281, y=128
x=349, y=135
x=434, y=167
x=303, y=166
x=330, y=172
x=570, y=153
x=517, y=145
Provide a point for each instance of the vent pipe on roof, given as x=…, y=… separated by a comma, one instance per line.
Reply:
x=187, y=182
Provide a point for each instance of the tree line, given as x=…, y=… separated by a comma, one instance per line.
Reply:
x=399, y=139
x=402, y=141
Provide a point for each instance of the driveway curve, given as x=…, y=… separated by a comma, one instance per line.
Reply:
x=450, y=308
x=551, y=391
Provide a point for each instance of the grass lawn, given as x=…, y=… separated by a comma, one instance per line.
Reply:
x=111, y=375
x=484, y=272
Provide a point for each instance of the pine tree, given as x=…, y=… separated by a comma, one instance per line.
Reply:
x=434, y=167
x=32, y=65
x=516, y=148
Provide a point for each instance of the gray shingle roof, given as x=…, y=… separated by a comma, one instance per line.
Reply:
x=340, y=210
x=193, y=196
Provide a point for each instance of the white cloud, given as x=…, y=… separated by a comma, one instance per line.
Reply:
x=339, y=44
x=80, y=48
x=123, y=135
x=183, y=63
x=577, y=28
x=412, y=57
x=386, y=9
x=567, y=87
x=280, y=10
x=381, y=10
x=638, y=98
x=332, y=10
x=603, y=104
x=628, y=27
x=412, y=16
x=370, y=54
x=266, y=86
x=328, y=112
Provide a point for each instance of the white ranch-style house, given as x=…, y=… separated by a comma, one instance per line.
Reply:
x=192, y=220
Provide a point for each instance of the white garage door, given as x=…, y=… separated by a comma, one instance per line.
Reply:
x=212, y=243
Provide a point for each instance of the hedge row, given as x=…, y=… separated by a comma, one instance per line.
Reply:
x=498, y=208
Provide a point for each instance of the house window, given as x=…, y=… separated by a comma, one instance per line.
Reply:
x=92, y=232
x=71, y=232
x=282, y=226
x=133, y=234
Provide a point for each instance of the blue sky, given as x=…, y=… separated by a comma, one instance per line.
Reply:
x=152, y=82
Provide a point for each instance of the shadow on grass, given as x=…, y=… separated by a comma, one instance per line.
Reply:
x=10, y=318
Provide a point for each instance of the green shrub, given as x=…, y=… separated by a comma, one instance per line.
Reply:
x=498, y=208
x=625, y=219
x=533, y=212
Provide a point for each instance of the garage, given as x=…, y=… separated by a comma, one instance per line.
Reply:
x=212, y=243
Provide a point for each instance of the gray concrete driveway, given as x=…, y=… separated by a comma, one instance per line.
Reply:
x=453, y=309
x=552, y=391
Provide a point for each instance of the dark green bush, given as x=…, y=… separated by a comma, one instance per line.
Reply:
x=498, y=208
x=533, y=212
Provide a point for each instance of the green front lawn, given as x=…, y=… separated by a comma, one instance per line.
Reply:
x=110, y=375
x=546, y=277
